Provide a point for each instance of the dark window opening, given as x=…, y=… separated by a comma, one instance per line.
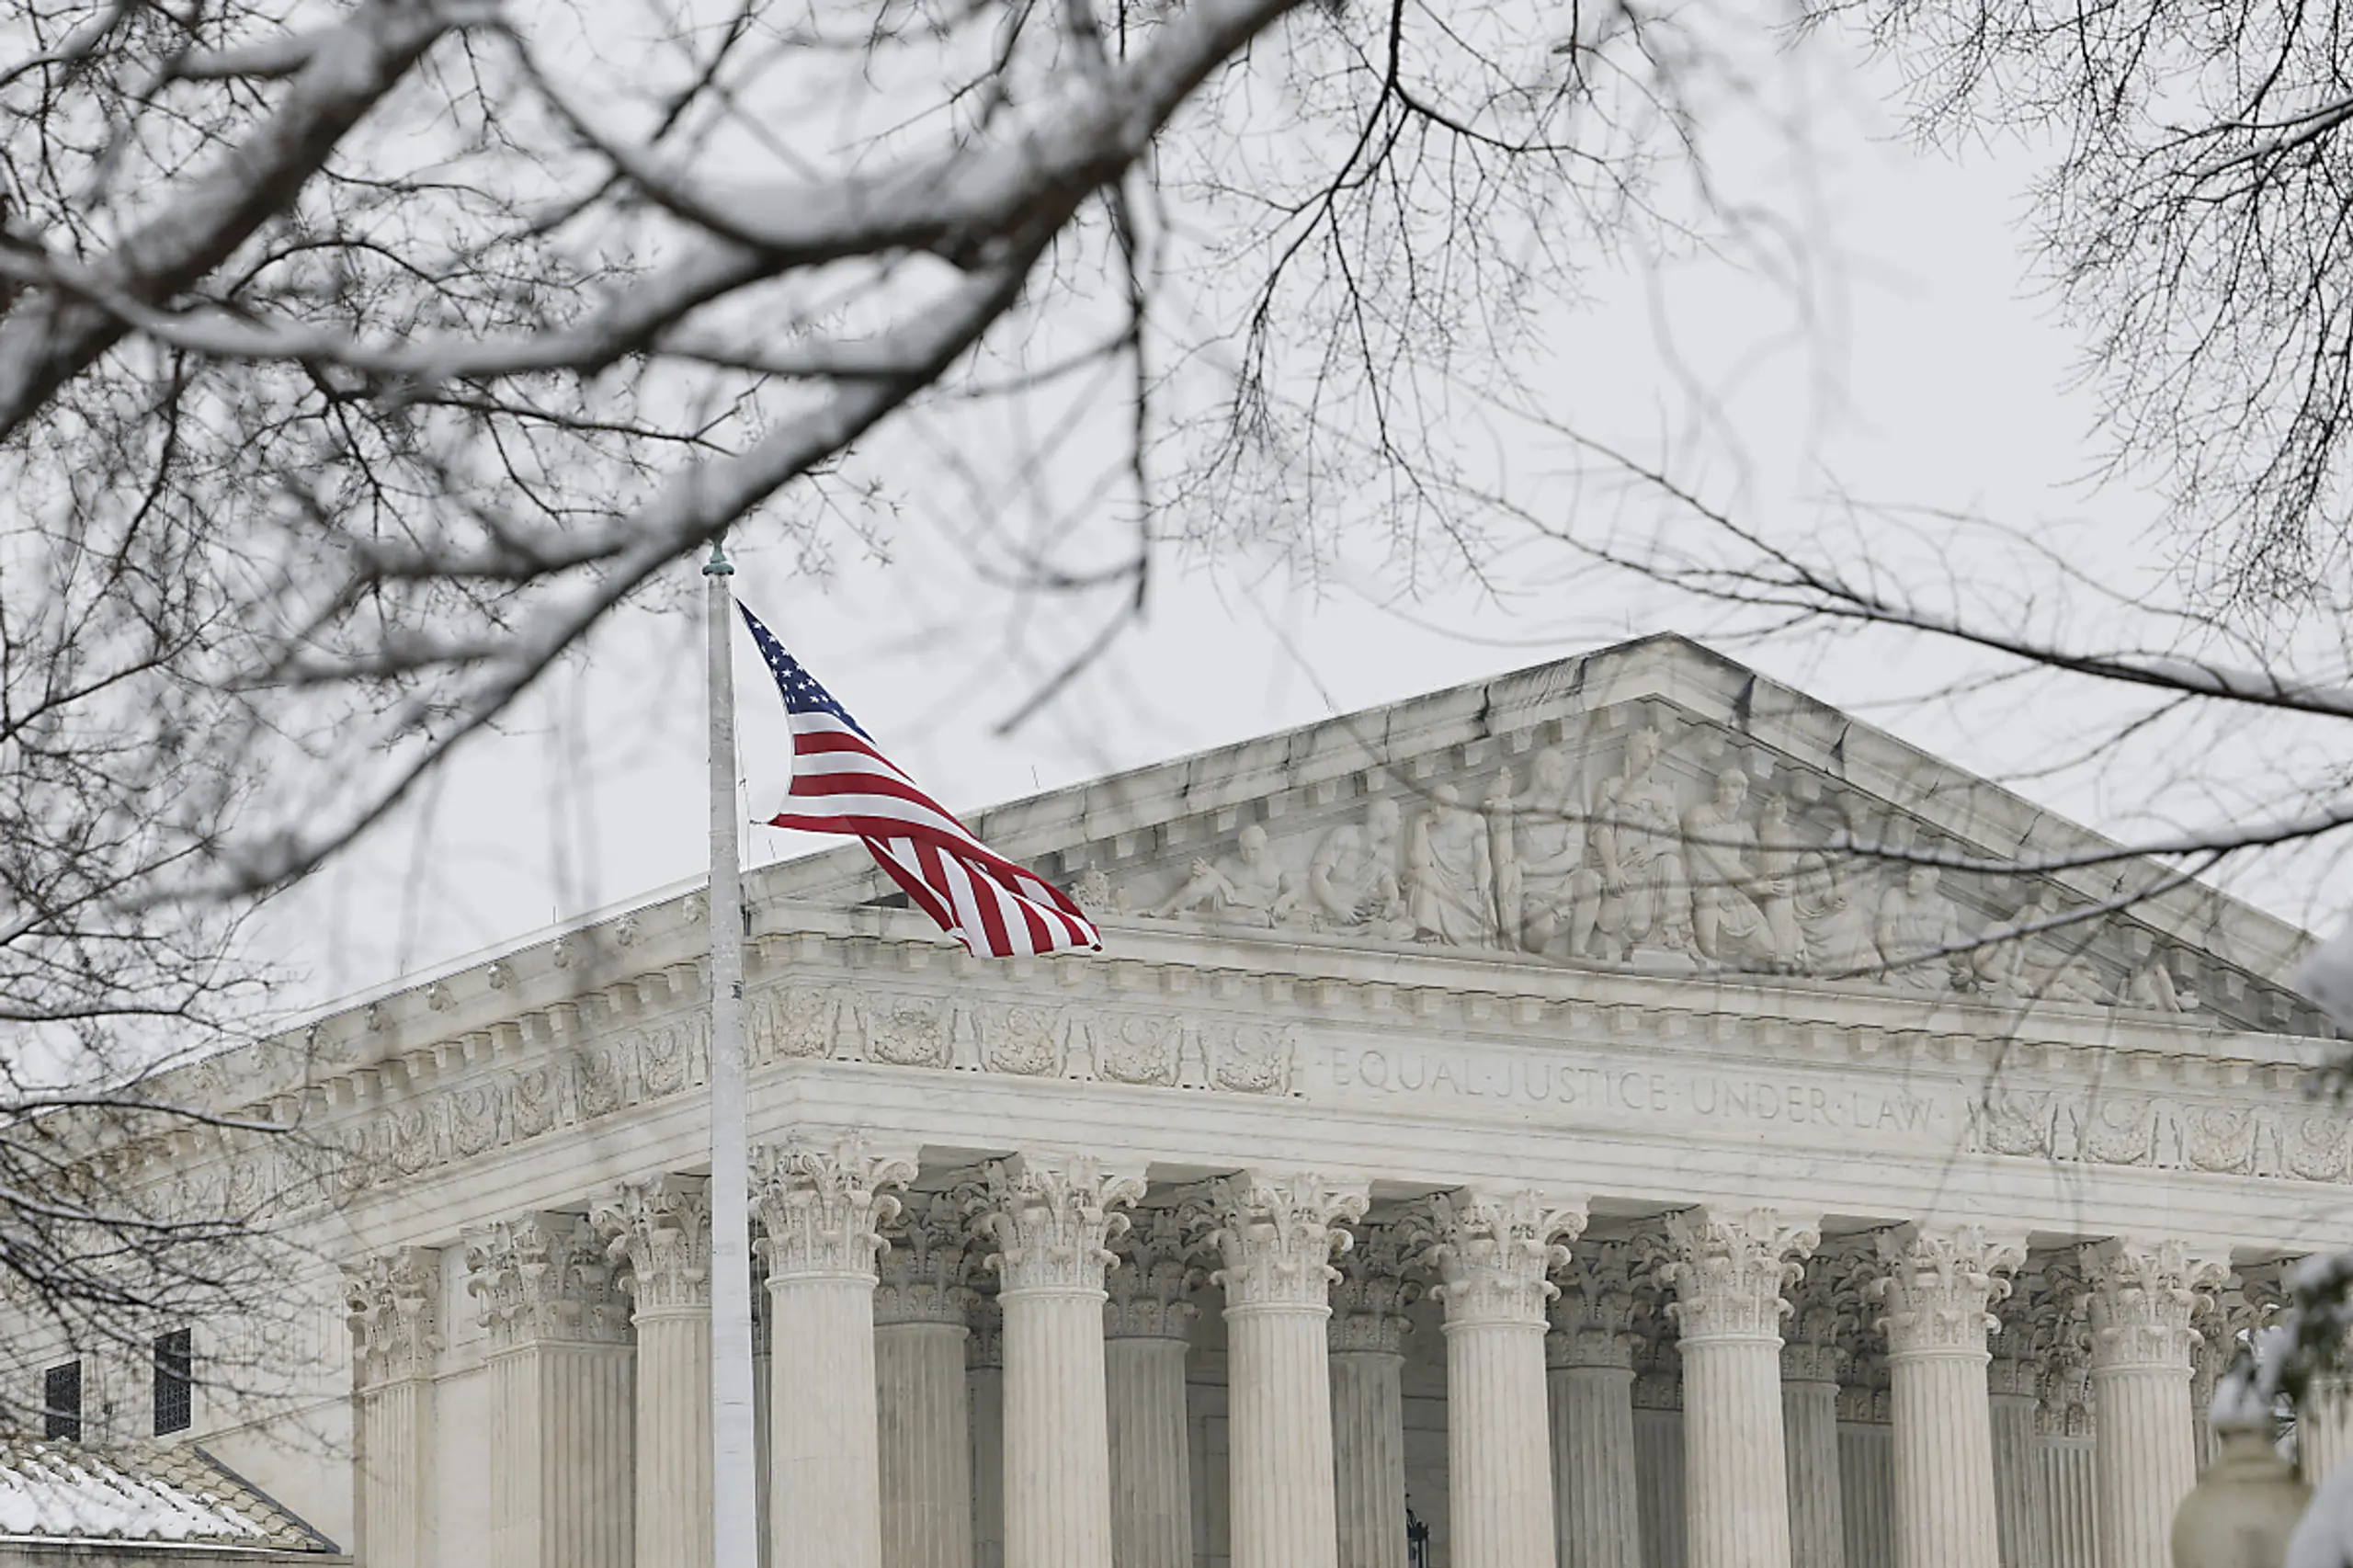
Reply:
x=61, y=1396
x=175, y=1385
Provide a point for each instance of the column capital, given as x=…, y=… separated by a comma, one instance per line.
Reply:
x=1600, y=1302
x=1940, y=1286
x=2246, y=1303
x=1051, y=1219
x=1369, y=1298
x=661, y=1227
x=545, y=1278
x=1728, y=1270
x=1492, y=1251
x=1276, y=1235
x=924, y=1275
x=393, y=1302
x=1149, y=1284
x=2143, y=1295
x=820, y=1206
x=986, y=1320
x=2044, y=1325
x=1826, y=1312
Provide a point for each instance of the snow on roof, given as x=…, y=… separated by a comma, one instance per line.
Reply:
x=150, y=1494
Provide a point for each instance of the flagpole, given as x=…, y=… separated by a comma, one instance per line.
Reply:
x=734, y=1478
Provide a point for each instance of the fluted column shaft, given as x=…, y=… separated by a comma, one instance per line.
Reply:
x=2142, y=1460
x=1366, y=1336
x=922, y=1403
x=2325, y=1427
x=1368, y=1456
x=924, y=1422
x=561, y=1463
x=821, y=1210
x=394, y=1304
x=1051, y=1221
x=1277, y=1237
x=1941, y=1287
x=1598, y=1524
x=1728, y=1273
x=1147, y=1327
x=674, y=1438
x=1809, y=1432
x=1492, y=1251
x=1597, y=1517
x=1151, y=1475
x=984, y=1385
x=2021, y=1486
x=662, y=1228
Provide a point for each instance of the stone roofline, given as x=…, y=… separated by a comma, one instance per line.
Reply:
x=813, y=902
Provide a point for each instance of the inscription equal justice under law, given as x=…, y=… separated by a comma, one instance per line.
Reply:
x=1620, y=1091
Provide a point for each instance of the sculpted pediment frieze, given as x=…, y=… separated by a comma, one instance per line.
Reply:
x=1635, y=837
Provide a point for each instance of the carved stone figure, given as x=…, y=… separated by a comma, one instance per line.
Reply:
x=1352, y=884
x=1775, y=888
x=1248, y=888
x=1836, y=918
x=1646, y=898
x=2030, y=966
x=2152, y=986
x=1543, y=886
x=1916, y=925
x=1094, y=893
x=1726, y=922
x=1449, y=876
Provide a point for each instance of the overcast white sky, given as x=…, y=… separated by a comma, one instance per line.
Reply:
x=1940, y=376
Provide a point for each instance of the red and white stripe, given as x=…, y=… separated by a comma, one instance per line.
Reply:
x=841, y=784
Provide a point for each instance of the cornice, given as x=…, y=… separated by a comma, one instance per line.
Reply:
x=1223, y=1016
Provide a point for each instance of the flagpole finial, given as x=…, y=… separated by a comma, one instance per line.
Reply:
x=718, y=565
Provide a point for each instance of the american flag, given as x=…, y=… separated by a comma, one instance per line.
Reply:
x=842, y=784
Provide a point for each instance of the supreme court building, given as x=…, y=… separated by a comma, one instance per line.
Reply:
x=1501, y=1129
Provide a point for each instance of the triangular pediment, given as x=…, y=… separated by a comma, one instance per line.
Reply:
x=1654, y=806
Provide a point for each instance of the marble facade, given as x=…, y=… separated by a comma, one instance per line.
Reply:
x=1530, y=1115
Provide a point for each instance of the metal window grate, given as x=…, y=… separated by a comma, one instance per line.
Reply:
x=175, y=1384
x=61, y=1397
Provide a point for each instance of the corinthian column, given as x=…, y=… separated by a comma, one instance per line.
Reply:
x=2243, y=1306
x=394, y=1305
x=1591, y=1354
x=2143, y=1295
x=821, y=1210
x=1940, y=1287
x=1147, y=1327
x=560, y=1475
x=1277, y=1237
x=985, y=1379
x=1823, y=1310
x=662, y=1229
x=1050, y=1223
x=1728, y=1271
x=1492, y=1252
x=1366, y=1336
x=2022, y=1490
x=922, y=1406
